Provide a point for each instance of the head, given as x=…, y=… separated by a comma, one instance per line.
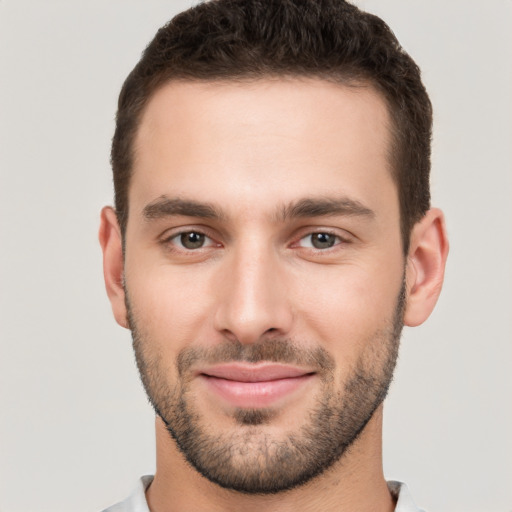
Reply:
x=243, y=41
x=271, y=234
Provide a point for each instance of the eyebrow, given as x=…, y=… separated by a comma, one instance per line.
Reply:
x=167, y=207
x=325, y=207
x=303, y=208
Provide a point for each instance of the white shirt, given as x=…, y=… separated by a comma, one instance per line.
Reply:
x=136, y=502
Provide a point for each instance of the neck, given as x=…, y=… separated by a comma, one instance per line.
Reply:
x=356, y=482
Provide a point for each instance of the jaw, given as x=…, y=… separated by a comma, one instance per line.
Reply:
x=356, y=478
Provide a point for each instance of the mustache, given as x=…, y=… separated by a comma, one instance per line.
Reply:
x=273, y=350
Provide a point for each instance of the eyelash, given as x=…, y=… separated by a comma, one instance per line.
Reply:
x=168, y=241
x=178, y=246
x=338, y=240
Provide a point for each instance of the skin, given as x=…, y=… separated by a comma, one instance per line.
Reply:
x=252, y=151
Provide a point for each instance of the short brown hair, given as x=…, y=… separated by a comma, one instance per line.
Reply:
x=251, y=39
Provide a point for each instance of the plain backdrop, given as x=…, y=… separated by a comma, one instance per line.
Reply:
x=75, y=427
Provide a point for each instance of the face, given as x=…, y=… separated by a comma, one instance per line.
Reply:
x=264, y=273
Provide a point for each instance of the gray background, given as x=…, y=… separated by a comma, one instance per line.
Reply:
x=75, y=428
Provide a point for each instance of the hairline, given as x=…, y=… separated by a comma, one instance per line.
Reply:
x=356, y=79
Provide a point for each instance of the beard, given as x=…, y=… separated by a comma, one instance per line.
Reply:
x=248, y=458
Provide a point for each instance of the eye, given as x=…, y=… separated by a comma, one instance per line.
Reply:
x=191, y=240
x=320, y=240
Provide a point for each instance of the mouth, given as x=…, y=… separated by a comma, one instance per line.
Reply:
x=254, y=385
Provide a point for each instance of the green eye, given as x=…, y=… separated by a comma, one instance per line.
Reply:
x=192, y=240
x=320, y=240
x=323, y=240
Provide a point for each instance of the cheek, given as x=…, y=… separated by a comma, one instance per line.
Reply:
x=172, y=303
x=346, y=307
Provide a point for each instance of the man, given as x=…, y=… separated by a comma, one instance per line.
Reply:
x=271, y=236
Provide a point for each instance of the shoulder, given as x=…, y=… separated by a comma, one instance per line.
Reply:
x=136, y=502
x=404, y=501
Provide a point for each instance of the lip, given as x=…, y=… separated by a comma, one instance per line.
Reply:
x=254, y=385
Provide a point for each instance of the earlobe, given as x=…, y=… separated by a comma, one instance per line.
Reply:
x=425, y=266
x=113, y=265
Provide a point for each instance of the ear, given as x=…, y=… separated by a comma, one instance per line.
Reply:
x=113, y=263
x=425, y=266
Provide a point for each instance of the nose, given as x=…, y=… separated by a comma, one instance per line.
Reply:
x=253, y=302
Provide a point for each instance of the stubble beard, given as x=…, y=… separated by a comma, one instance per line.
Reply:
x=248, y=458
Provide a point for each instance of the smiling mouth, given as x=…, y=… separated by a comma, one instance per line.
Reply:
x=254, y=386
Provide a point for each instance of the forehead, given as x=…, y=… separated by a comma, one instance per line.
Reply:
x=277, y=139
